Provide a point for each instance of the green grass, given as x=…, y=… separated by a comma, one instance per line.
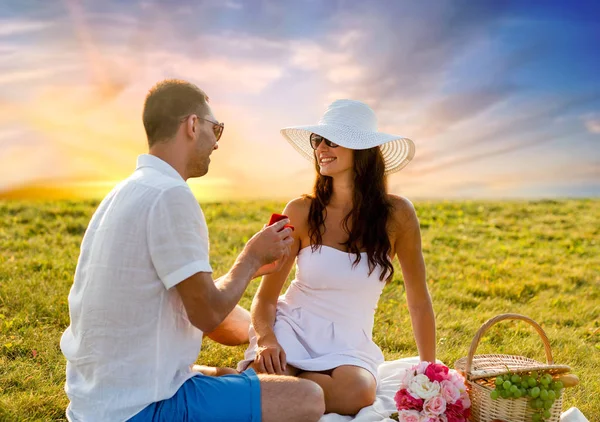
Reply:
x=537, y=258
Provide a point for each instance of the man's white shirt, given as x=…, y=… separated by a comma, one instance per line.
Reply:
x=130, y=342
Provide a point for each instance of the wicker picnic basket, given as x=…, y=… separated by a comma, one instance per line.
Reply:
x=480, y=372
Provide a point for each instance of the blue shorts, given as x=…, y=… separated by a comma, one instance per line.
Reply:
x=204, y=398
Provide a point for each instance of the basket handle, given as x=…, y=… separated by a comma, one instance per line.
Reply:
x=488, y=324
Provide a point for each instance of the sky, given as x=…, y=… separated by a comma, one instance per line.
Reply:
x=501, y=98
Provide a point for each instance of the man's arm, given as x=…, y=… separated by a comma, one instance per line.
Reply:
x=208, y=302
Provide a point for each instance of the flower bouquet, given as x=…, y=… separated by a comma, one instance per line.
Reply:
x=430, y=392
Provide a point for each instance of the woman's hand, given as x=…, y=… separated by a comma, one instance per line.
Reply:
x=270, y=357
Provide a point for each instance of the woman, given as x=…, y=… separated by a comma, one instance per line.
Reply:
x=346, y=236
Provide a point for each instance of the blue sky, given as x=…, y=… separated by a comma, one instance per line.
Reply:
x=501, y=98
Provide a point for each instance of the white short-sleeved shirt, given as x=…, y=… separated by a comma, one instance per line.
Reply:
x=130, y=342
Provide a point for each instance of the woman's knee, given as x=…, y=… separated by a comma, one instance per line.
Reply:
x=362, y=395
x=356, y=396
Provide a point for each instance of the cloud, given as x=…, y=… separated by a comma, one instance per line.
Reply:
x=329, y=58
x=592, y=123
x=411, y=47
x=16, y=76
x=10, y=27
x=233, y=5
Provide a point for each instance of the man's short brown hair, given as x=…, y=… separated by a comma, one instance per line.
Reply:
x=167, y=103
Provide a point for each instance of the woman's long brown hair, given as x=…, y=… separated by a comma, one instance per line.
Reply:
x=366, y=224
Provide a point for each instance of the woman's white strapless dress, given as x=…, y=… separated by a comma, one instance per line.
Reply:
x=325, y=318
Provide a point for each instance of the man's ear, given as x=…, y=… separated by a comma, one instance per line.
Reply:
x=190, y=127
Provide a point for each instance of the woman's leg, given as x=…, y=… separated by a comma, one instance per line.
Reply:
x=233, y=331
x=347, y=390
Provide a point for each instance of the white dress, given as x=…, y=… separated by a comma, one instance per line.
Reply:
x=325, y=318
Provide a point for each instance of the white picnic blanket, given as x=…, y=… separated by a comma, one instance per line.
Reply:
x=390, y=374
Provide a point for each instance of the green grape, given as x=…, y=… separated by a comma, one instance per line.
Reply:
x=523, y=391
x=544, y=394
x=524, y=383
x=494, y=394
x=548, y=404
x=517, y=394
x=536, y=417
x=558, y=385
x=507, y=385
x=531, y=381
x=534, y=374
x=513, y=388
x=546, y=379
x=504, y=394
x=535, y=392
x=499, y=380
x=547, y=414
x=551, y=395
x=515, y=379
x=539, y=403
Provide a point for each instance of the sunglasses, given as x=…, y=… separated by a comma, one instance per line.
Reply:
x=217, y=127
x=315, y=141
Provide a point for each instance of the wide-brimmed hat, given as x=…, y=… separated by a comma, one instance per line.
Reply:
x=353, y=124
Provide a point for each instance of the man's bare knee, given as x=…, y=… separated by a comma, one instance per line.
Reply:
x=290, y=399
x=315, y=400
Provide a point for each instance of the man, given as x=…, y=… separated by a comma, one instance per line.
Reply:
x=143, y=290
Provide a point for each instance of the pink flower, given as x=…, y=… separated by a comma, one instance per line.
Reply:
x=464, y=400
x=433, y=418
x=458, y=380
x=437, y=372
x=455, y=412
x=421, y=367
x=406, y=379
x=405, y=401
x=409, y=416
x=435, y=405
x=449, y=391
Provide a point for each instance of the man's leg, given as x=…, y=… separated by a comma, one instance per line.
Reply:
x=290, y=399
x=233, y=331
x=243, y=397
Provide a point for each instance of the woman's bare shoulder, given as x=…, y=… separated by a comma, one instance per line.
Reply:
x=297, y=209
x=403, y=209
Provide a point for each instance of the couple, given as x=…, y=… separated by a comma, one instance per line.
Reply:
x=144, y=295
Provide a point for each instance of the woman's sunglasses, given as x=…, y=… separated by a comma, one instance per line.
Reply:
x=315, y=141
x=217, y=127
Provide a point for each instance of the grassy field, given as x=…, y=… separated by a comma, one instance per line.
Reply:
x=537, y=258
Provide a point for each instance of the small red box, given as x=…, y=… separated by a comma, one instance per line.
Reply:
x=277, y=217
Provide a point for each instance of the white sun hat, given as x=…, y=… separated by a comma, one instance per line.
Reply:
x=352, y=124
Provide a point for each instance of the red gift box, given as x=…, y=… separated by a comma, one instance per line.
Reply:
x=277, y=217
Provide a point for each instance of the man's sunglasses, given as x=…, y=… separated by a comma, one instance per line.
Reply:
x=315, y=141
x=217, y=127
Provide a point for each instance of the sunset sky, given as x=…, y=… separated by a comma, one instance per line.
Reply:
x=501, y=98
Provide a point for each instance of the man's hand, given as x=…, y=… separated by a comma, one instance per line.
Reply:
x=270, y=357
x=270, y=247
x=273, y=267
